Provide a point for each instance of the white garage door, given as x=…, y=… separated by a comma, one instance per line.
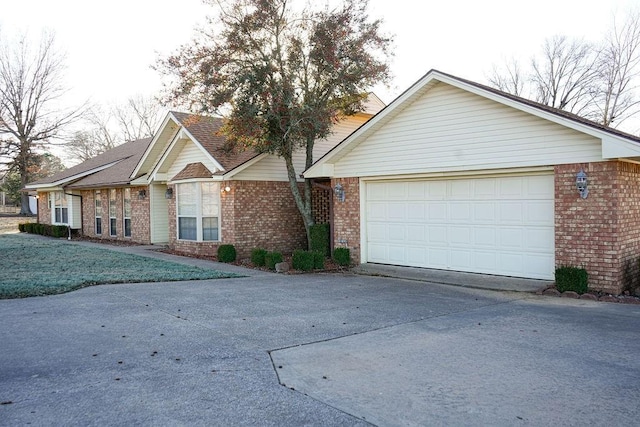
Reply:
x=501, y=225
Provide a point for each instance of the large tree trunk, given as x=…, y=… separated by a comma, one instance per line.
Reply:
x=25, y=209
x=303, y=201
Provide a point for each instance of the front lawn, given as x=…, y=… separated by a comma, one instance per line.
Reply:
x=35, y=266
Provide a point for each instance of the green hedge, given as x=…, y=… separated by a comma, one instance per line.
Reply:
x=572, y=279
x=271, y=259
x=44, y=229
x=226, y=253
x=258, y=257
x=342, y=256
x=319, y=234
x=302, y=260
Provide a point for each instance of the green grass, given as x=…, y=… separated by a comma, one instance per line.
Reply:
x=33, y=267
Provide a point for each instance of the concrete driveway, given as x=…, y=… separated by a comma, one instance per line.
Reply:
x=324, y=349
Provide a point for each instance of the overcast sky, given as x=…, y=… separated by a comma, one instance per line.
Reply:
x=110, y=45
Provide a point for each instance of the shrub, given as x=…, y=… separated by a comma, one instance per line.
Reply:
x=318, y=260
x=59, y=230
x=572, y=279
x=319, y=234
x=257, y=257
x=342, y=256
x=271, y=259
x=226, y=253
x=302, y=260
x=22, y=227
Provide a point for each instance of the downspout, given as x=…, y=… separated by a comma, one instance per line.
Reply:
x=81, y=212
x=330, y=190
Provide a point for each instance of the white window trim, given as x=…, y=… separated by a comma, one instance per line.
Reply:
x=124, y=215
x=95, y=213
x=52, y=202
x=199, y=216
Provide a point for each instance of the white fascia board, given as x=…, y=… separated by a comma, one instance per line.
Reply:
x=216, y=178
x=142, y=180
x=616, y=148
x=154, y=141
x=72, y=178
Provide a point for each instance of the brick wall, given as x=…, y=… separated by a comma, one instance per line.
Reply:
x=602, y=232
x=255, y=214
x=320, y=200
x=140, y=222
x=44, y=212
x=346, y=227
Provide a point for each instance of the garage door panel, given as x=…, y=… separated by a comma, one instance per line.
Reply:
x=495, y=225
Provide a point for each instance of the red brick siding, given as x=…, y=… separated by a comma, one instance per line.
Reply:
x=44, y=212
x=254, y=214
x=140, y=222
x=346, y=216
x=602, y=232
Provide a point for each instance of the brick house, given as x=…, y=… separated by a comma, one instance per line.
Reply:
x=183, y=189
x=458, y=176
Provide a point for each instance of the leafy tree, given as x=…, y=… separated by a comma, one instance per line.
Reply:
x=30, y=88
x=282, y=75
x=40, y=166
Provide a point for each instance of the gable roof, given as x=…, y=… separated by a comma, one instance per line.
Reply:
x=112, y=167
x=615, y=143
x=193, y=170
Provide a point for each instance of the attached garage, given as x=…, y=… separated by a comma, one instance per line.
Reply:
x=494, y=225
x=454, y=175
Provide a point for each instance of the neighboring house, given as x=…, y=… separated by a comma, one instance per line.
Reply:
x=458, y=176
x=184, y=189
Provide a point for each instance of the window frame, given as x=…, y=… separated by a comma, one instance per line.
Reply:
x=97, y=199
x=198, y=208
x=62, y=208
x=126, y=219
x=113, y=212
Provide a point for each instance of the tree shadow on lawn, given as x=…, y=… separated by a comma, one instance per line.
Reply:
x=35, y=267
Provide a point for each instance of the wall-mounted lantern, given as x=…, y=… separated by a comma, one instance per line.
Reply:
x=169, y=193
x=338, y=190
x=581, y=184
x=142, y=194
x=225, y=189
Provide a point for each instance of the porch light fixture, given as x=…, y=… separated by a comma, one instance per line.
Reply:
x=225, y=189
x=142, y=194
x=169, y=193
x=338, y=190
x=581, y=184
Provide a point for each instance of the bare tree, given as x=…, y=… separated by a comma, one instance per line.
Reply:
x=509, y=79
x=618, y=69
x=30, y=88
x=106, y=128
x=563, y=77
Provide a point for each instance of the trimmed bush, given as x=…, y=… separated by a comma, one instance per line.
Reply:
x=302, y=260
x=271, y=259
x=22, y=227
x=319, y=234
x=342, y=256
x=572, y=279
x=318, y=260
x=226, y=253
x=59, y=230
x=257, y=257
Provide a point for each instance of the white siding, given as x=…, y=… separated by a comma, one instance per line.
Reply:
x=449, y=129
x=159, y=214
x=272, y=168
x=75, y=211
x=190, y=153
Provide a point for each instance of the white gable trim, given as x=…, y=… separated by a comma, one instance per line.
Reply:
x=613, y=146
x=154, y=141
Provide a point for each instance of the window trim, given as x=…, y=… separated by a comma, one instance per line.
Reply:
x=198, y=209
x=113, y=213
x=126, y=218
x=97, y=197
x=55, y=207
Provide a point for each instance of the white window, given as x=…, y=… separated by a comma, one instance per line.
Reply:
x=126, y=209
x=98, y=202
x=198, y=211
x=112, y=213
x=60, y=208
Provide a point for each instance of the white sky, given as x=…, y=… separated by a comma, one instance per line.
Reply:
x=110, y=45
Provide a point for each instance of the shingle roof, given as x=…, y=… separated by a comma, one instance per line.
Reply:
x=206, y=131
x=193, y=170
x=124, y=158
